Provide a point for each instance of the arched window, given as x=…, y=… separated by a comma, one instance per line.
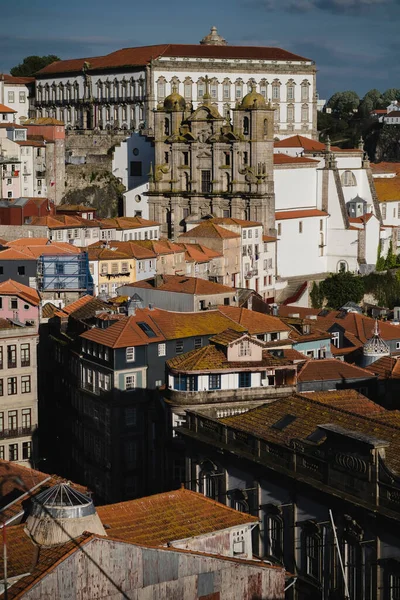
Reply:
x=273, y=532
x=141, y=88
x=166, y=126
x=187, y=90
x=290, y=113
x=238, y=500
x=161, y=89
x=246, y=126
x=47, y=92
x=53, y=92
x=132, y=87
x=348, y=179
x=124, y=85
x=116, y=89
x=201, y=86
x=208, y=479
x=76, y=91
x=239, y=90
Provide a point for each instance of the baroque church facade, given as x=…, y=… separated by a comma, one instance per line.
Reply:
x=207, y=165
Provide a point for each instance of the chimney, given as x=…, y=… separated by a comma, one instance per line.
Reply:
x=158, y=280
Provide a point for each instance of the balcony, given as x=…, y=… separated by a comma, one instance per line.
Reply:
x=10, y=174
x=267, y=393
x=17, y=432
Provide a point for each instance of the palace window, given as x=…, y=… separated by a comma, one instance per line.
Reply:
x=227, y=90
x=305, y=90
x=208, y=480
x=263, y=88
x=312, y=550
x=214, y=89
x=290, y=93
x=305, y=113
x=206, y=182
x=188, y=90
x=200, y=89
x=238, y=90
x=276, y=90
x=290, y=113
x=161, y=89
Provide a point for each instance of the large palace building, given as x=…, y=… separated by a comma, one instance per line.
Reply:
x=122, y=89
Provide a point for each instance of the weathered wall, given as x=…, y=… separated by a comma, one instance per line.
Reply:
x=94, y=185
x=115, y=570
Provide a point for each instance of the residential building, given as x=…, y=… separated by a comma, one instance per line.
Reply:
x=177, y=292
x=121, y=90
x=7, y=115
x=199, y=161
x=307, y=338
x=257, y=254
x=77, y=210
x=334, y=222
x=21, y=211
x=203, y=262
x=313, y=469
x=387, y=185
x=19, y=322
x=130, y=228
x=59, y=270
x=333, y=374
x=16, y=92
x=74, y=545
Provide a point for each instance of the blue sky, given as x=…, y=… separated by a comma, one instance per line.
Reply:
x=354, y=42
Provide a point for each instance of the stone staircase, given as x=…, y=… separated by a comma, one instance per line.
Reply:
x=295, y=283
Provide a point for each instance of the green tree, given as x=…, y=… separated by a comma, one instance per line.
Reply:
x=391, y=258
x=316, y=296
x=344, y=103
x=390, y=95
x=371, y=100
x=31, y=64
x=340, y=288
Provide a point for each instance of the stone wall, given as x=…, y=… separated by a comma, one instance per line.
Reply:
x=93, y=185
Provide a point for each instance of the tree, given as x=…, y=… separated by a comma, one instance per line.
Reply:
x=316, y=296
x=344, y=103
x=391, y=259
x=341, y=288
x=31, y=64
x=390, y=95
x=371, y=100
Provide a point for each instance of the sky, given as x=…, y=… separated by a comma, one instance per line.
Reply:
x=354, y=43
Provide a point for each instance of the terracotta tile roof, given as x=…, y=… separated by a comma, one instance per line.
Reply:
x=66, y=208
x=29, y=242
x=11, y=126
x=227, y=337
x=293, y=354
x=307, y=144
x=49, y=310
x=285, y=159
x=311, y=413
x=161, y=246
x=394, y=113
x=64, y=222
x=387, y=188
x=184, y=285
x=331, y=369
x=143, y=55
x=230, y=221
x=254, y=322
x=198, y=252
x=11, y=79
x=16, y=483
x=33, y=143
x=106, y=254
x=83, y=308
x=208, y=229
x=13, y=288
x=125, y=332
x=387, y=367
x=6, y=109
x=13, y=254
x=299, y=214
x=44, y=121
x=363, y=219
x=350, y=400
x=269, y=238
x=34, y=250
x=167, y=517
x=126, y=223
x=355, y=324
x=130, y=249
x=385, y=167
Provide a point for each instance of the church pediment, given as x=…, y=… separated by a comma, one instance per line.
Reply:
x=205, y=113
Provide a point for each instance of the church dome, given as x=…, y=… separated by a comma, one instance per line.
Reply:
x=213, y=39
x=61, y=513
x=174, y=102
x=253, y=100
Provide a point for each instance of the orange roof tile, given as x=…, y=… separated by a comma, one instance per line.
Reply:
x=230, y=221
x=143, y=55
x=70, y=308
x=13, y=254
x=208, y=229
x=127, y=223
x=307, y=144
x=387, y=367
x=385, y=167
x=167, y=517
x=350, y=400
x=254, y=322
x=331, y=369
x=6, y=109
x=198, y=252
x=13, y=288
x=11, y=79
x=130, y=249
x=299, y=214
x=285, y=159
x=125, y=332
x=64, y=222
x=269, y=238
x=387, y=188
x=184, y=285
x=160, y=246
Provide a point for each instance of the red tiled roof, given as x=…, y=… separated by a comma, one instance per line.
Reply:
x=33, y=248
x=125, y=332
x=167, y=517
x=208, y=229
x=394, y=113
x=132, y=249
x=6, y=109
x=198, y=252
x=387, y=188
x=254, y=322
x=385, y=167
x=184, y=285
x=143, y=55
x=64, y=222
x=126, y=223
x=269, y=238
x=299, y=214
x=13, y=288
x=387, y=367
x=11, y=79
x=350, y=400
x=230, y=221
x=299, y=141
x=285, y=159
x=363, y=219
x=331, y=369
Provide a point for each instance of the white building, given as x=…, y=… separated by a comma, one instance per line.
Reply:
x=15, y=92
x=125, y=229
x=327, y=214
x=122, y=89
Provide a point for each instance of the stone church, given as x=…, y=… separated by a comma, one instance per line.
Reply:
x=207, y=165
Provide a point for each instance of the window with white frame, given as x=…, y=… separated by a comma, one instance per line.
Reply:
x=290, y=92
x=245, y=348
x=276, y=90
x=304, y=90
x=305, y=113
x=130, y=354
x=162, y=350
x=130, y=382
x=336, y=338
